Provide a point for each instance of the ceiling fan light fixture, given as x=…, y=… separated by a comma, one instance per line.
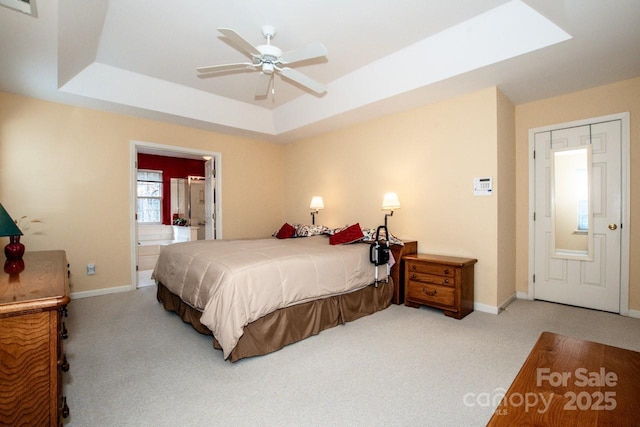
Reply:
x=267, y=68
x=268, y=59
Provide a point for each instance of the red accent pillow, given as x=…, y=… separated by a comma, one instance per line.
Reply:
x=287, y=231
x=351, y=234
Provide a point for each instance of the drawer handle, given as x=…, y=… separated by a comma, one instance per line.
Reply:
x=64, y=365
x=446, y=271
x=413, y=267
x=65, y=407
x=65, y=334
x=446, y=280
x=431, y=294
x=413, y=276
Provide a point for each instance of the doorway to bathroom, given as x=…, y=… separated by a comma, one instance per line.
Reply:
x=177, y=200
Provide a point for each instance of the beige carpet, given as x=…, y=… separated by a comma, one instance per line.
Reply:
x=133, y=364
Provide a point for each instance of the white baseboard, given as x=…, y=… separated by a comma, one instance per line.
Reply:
x=476, y=305
x=485, y=308
x=493, y=309
x=634, y=313
x=98, y=292
x=496, y=310
x=630, y=313
x=507, y=301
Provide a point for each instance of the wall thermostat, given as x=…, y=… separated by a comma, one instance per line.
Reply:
x=482, y=186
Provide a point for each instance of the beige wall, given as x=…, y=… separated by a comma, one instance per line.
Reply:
x=429, y=156
x=71, y=166
x=600, y=101
x=506, y=194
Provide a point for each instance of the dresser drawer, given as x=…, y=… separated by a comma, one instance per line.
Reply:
x=428, y=268
x=432, y=279
x=431, y=294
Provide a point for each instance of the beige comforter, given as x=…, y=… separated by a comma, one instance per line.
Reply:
x=234, y=282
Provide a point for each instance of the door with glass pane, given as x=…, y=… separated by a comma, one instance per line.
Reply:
x=577, y=227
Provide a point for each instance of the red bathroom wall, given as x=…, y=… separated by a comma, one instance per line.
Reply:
x=171, y=167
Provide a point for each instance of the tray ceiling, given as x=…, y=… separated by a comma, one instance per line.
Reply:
x=386, y=56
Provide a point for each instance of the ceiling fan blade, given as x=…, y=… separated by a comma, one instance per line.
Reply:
x=225, y=67
x=239, y=41
x=314, y=50
x=302, y=79
x=262, y=88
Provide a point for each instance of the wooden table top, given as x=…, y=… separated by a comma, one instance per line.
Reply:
x=39, y=283
x=572, y=382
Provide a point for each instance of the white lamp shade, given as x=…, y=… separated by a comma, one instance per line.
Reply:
x=316, y=203
x=390, y=202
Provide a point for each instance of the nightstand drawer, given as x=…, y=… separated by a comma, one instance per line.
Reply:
x=432, y=279
x=431, y=294
x=440, y=270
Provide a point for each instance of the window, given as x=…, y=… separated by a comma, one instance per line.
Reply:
x=149, y=193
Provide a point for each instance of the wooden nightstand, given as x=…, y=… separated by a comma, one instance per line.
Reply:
x=439, y=281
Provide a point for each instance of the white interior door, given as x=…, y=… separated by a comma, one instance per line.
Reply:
x=586, y=283
x=209, y=199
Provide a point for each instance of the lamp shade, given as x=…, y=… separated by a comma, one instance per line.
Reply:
x=390, y=202
x=7, y=226
x=316, y=203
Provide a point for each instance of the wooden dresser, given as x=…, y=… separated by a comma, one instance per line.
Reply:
x=439, y=281
x=32, y=307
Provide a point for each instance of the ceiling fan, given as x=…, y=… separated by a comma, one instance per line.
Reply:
x=269, y=59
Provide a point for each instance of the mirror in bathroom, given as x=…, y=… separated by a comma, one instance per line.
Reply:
x=187, y=200
x=196, y=200
x=179, y=208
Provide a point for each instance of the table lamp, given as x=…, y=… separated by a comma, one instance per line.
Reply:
x=390, y=202
x=316, y=204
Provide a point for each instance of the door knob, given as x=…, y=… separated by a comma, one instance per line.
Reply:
x=612, y=226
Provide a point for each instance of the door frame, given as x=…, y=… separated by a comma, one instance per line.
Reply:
x=625, y=163
x=172, y=151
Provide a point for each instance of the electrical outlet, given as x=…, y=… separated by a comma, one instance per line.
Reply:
x=91, y=269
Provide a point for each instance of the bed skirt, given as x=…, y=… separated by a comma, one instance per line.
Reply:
x=288, y=325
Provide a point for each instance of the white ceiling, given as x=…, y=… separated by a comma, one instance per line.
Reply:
x=139, y=57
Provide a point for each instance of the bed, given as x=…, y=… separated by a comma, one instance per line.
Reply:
x=257, y=296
